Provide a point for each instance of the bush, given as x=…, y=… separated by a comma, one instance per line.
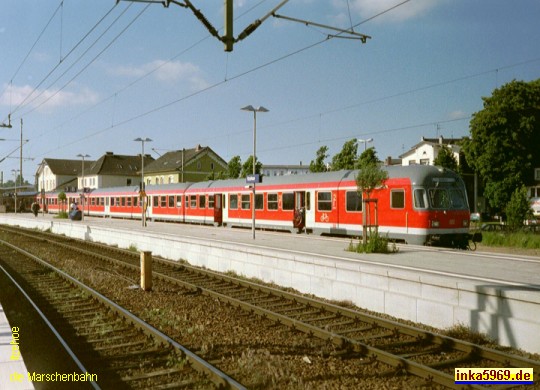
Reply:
x=518, y=209
x=62, y=215
x=375, y=244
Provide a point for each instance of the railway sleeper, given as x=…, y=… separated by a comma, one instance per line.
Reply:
x=152, y=374
x=355, y=330
x=118, y=346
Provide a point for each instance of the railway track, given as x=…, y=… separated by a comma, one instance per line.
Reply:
x=403, y=348
x=112, y=347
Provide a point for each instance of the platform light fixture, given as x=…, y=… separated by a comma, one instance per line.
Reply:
x=255, y=111
x=142, y=192
x=365, y=142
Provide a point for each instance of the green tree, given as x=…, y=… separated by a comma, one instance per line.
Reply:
x=247, y=167
x=319, y=165
x=505, y=134
x=346, y=159
x=367, y=158
x=369, y=177
x=446, y=159
x=518, y=209
x=62, y=198
x=234, y=167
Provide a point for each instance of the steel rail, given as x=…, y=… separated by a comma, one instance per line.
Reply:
x=217, y=376
x=51, y=327
x=399, y=363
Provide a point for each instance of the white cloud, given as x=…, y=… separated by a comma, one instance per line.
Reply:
x=458, y=114
x=166, y=72
x=46, y=100
x=369, y=8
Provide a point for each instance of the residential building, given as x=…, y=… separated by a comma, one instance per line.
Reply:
x=58, y=174
x=284, y=170
x=185, y=165
x=426, y=151
x=113, y=170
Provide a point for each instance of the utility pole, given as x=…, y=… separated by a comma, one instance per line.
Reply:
x=20, y=155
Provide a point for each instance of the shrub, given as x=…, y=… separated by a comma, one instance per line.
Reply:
x=375, y=244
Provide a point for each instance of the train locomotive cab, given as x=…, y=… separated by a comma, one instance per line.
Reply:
x=441, y=203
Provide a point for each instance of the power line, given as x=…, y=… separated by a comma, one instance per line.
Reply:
x=22, y=104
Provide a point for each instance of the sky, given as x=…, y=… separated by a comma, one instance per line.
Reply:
x=90, y=77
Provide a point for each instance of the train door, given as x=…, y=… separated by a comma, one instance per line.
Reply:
x=299, y=216
x=218, y=209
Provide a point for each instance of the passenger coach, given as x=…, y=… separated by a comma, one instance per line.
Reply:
x=417, y=204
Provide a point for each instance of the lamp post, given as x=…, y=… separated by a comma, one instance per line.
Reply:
x=255, y=111
x=365, y=142
x=15, y=173
x=142, y=192
x=83, y=156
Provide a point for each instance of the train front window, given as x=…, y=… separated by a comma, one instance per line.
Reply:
x=447, y=198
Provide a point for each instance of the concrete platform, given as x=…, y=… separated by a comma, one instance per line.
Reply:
x=494, y=294
x=13, y=372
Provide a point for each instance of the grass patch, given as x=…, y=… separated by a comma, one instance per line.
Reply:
x=133, y=248
x=463, y=332
x=525, y=240
x=62, y=215
x=375, y=244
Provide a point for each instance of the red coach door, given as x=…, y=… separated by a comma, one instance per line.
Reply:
x=218, y=210
x=299, y=216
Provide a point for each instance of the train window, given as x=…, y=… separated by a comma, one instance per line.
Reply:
x=259, y=202
x=353, y=201
x=397, y=199
x=122, y=201
x=211, y=201
x=457, y=199
x=179, y=201
x=163, y=202
x=128, y=201
x=272, y=202
x=233, y=202
x=193, y=201
x=308, y=201
x=156, y=201
x=288, y=201
x=420, y=199
x=202, y=201
x=171, y=201
x=324, y=201
x=439, y=198
x=246, y=204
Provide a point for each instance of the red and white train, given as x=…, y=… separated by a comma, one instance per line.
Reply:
x=417, y=204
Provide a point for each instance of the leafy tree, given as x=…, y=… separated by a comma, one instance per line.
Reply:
x=518, y=209
x=346, y=159
x=318, y=165
x=247, y=167
x=369, y=177
x=368, y=157
x=505, y=135
x=234, y=167
x=62, y=198
x=446, y=159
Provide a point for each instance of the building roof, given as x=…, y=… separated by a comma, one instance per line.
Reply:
x=62, y=167
x=116, y=164
x=172, y=161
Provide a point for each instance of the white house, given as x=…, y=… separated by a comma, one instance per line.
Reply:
x=426, y=151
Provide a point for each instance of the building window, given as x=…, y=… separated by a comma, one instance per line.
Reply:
x=198, y=165
x=537, y=174
x=424, y=161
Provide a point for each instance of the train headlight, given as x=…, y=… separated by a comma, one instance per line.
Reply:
x=435, y=224
x=465, y=222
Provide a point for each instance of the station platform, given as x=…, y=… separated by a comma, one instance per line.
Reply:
x=13, y=372
x=496, y=294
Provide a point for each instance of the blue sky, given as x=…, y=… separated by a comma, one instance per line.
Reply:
x=157, y=73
